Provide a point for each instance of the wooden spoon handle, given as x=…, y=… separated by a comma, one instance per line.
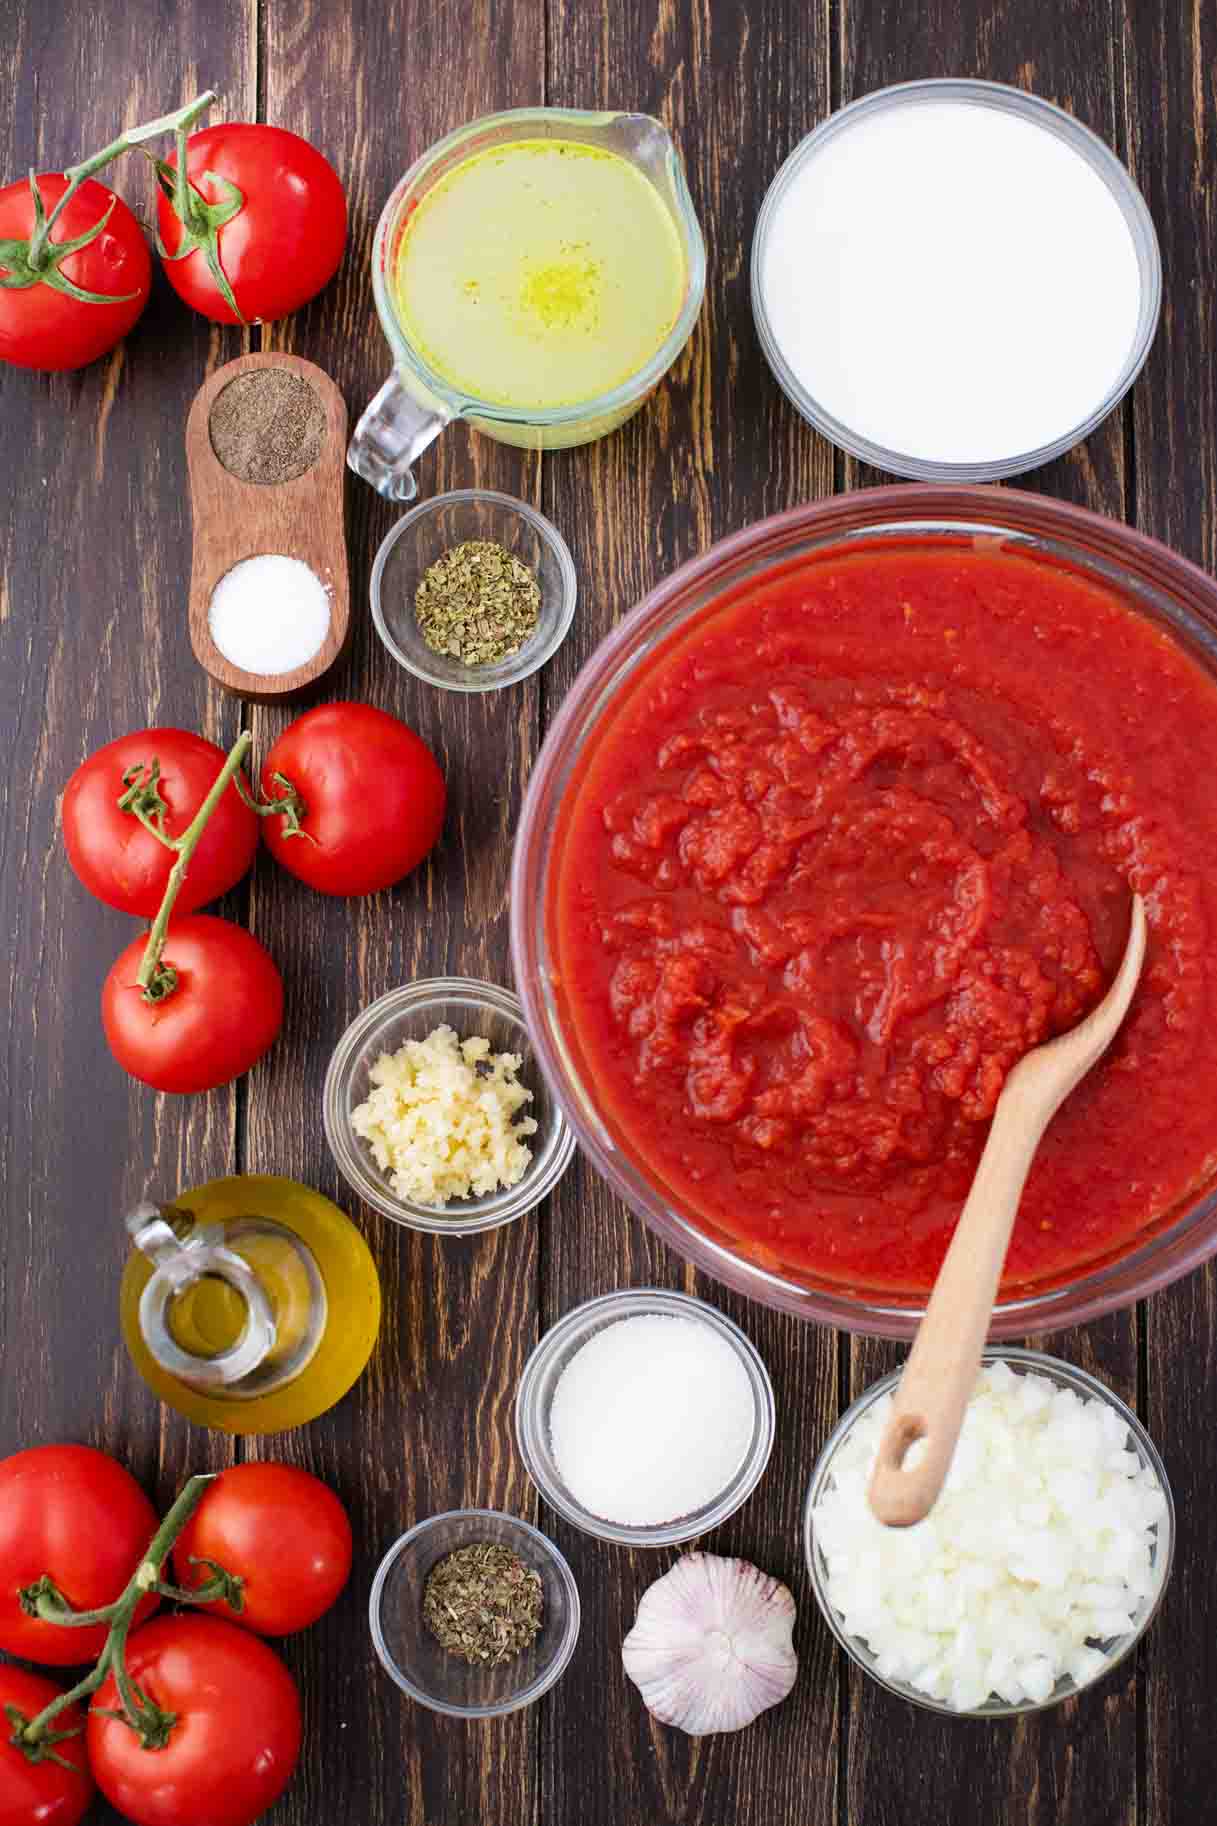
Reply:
x=940, y=1374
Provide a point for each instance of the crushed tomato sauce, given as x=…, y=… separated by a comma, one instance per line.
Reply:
x=849, y=848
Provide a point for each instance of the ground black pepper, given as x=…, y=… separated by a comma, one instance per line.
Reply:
x=267, y=426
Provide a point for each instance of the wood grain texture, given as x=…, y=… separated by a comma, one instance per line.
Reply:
x=94, y=568
x=1029, y=1774
x=715, y=449
x=94, y=562
x=429, y=1427
x=233, y=520
x=1172, y=91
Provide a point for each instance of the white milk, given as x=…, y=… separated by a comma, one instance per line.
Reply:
x=951, y=282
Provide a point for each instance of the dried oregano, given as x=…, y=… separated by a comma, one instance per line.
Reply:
x=483, y=1603
x=478, y=603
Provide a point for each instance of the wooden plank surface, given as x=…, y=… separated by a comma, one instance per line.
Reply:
x=94, y=562
x=1172, y=89
x=94, y=567
x=430, y=1426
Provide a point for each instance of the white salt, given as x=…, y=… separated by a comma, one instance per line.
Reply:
x=651, y=1419
x=951, y=282
x=269, y=614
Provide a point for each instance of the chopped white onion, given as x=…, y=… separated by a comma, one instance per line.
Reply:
x=1037, y=1558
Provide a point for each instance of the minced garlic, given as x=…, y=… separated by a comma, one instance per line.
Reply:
x=440, y=1118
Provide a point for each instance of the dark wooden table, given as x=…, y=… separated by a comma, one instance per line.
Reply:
x=94, y=562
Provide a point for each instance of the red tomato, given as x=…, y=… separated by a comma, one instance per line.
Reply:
x=40, y=1793
x=234, y=1745
x=122, y=863
x=286, y=234
x=373, y=798
x=42, y=327
x=224, y=1013
x=283, y=1532
x=76, y=1515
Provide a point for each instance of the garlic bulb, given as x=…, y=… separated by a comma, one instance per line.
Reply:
x=710, y=1648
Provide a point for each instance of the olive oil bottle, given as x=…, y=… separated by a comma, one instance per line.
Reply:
x=250, y=1305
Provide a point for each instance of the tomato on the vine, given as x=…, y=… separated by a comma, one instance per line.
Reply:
x=51, y=1788
x=369, y=795
x=266, y=222
x=234, y=1740
x=78, y=1517
x=75, y=297
x=123, y=863
x=278, y=1529
x=220, y=1017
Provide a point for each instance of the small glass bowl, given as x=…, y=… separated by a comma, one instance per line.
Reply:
x=470, y=1008
x=433, y=1675
x=1066, y=1376
x=534, y=1402
x=434, y=527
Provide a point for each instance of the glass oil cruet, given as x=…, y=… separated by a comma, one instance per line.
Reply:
x=249, y=1305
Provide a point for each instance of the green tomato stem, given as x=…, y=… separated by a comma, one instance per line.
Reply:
x=137, y=1709
x=181, y=184
x=38, y=1730
x=50, y=1606
x=143, y=799
x=221, y=1585
x=289, y=806
x=151, y=1724
x=155, y=982
x=44, y=1751
x=39, y=249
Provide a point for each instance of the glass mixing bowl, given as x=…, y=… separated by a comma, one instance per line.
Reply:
x=1171, y=593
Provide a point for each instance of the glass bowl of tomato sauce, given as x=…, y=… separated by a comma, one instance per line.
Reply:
x=843, y=818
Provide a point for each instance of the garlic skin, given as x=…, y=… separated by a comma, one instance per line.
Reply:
x=710, y=1648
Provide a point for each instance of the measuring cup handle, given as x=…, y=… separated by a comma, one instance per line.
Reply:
x=395, y=430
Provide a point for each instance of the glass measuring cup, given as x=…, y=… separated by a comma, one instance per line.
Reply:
x=416, y=403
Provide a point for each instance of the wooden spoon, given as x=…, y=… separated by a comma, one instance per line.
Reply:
x=941, y=1371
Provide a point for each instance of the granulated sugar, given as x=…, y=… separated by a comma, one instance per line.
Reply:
x=651, y=1419
x=951, y=282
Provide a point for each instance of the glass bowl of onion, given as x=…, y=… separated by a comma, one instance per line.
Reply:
x=1038, y=1570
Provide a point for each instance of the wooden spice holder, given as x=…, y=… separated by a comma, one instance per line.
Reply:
x=301, y=518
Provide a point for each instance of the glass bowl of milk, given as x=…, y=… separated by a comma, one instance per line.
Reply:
x=954, y=281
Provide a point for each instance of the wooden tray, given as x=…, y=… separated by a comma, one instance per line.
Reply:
x=233, y=520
